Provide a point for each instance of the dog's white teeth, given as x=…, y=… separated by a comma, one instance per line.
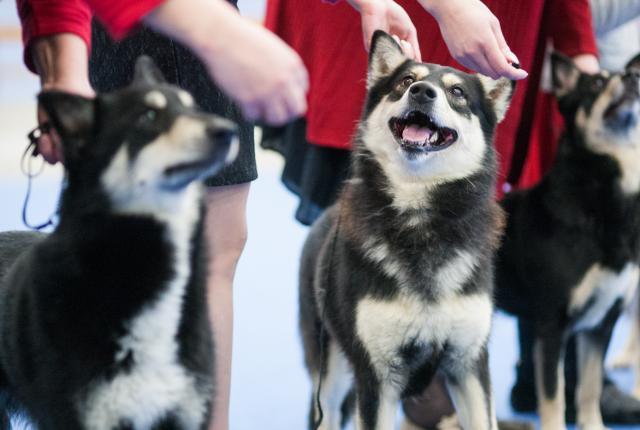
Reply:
x=434, y=137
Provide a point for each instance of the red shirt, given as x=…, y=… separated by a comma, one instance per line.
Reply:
x=46, y=17
x=329, y=40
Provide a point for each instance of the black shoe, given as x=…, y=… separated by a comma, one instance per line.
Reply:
x=617, y=406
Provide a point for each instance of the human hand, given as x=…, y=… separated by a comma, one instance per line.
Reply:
x=587, y=63
x=61, y=61
x=389, y=16
x=483, y=49
x=266, y=78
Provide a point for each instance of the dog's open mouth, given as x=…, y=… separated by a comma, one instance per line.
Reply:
x=417, y=132
x=180, y=175
x=623, y=112
x=192, y=166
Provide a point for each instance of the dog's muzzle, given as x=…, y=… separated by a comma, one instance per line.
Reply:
x=622, y=113
x=417, y=132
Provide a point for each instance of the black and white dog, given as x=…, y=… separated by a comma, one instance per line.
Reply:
x=570, y=256
x=396, y=278
x=104, y=323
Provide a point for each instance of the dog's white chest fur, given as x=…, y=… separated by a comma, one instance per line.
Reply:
x=602, y=287
x=384, y=326
x=156, y=384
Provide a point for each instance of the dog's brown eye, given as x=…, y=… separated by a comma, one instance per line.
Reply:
x=148, y=116
x=457, y=91
x=408, y=80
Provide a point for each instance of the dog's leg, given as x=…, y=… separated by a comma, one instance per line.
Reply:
x=548, y=360
x=590, y=355
x=334, y=388
x=376, y=402
x=470, y=391
x=592, y=346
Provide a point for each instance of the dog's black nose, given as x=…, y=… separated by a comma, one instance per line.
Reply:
x=631, y=76
x=422, y=92
x=631, y=81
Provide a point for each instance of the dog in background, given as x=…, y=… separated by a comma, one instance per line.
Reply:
x=397, y=277
x=103, y=323
x=570, y=256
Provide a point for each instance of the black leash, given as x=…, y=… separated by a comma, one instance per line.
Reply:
x=322, y=373
x=31, y=152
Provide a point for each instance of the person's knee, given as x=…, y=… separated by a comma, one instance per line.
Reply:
x=226, y=246
x=226, y=228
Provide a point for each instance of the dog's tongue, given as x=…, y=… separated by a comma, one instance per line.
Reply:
x=414, y=133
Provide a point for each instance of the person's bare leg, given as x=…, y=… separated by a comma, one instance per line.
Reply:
x=226, y=232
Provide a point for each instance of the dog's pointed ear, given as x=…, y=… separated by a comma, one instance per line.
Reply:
x=71, y=115
x=633, y=64
x=385, y=56
x=564, y=74
x=498, y=93
x=146, y=72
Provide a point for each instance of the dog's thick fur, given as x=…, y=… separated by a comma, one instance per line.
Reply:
x=571, y=250
x=103, y=323
x=396, y=278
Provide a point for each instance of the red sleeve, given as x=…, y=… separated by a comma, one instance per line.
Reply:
x=122, y=16
x=46, y=17
x=571, y=27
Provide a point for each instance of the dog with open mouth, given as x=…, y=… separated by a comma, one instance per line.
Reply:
x=104, y=322
x=396, y=278
x=571, y=253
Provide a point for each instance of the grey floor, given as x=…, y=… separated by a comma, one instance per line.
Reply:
x=270, y=388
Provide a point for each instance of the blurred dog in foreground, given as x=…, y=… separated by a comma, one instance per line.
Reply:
x=104, y=323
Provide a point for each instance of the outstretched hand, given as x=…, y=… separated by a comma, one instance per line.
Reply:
x=474, y=37
x=263, y=75
x=387, y=15
x=61, y=61
x=257, y=70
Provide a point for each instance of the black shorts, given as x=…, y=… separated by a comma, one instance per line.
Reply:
x=314, y=173
x=111, y=67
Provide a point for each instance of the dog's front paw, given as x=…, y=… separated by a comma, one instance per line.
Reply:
x=553, y=427
x=593, y=426
x=407, y=424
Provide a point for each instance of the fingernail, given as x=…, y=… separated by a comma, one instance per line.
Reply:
x=513, y=58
